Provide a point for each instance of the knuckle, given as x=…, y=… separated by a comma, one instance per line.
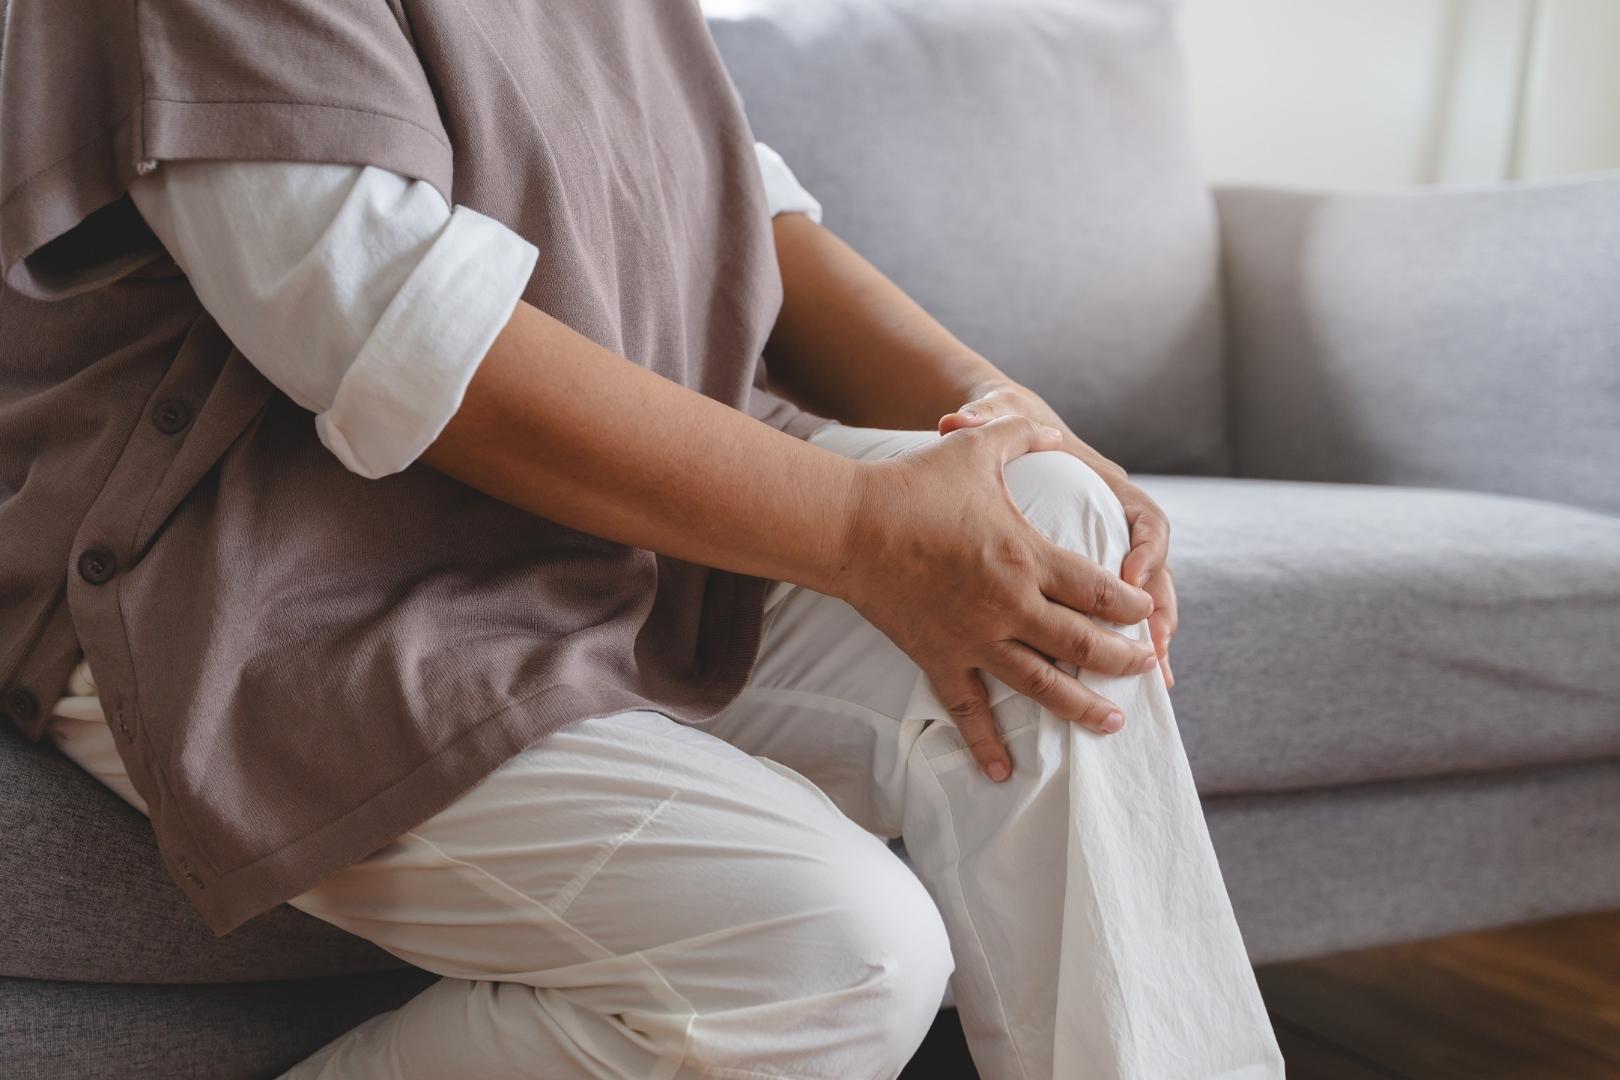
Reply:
x=1009, y=551
x=1084, y=647
x=1025, y=425
x=1040, y=681
x=964, y=710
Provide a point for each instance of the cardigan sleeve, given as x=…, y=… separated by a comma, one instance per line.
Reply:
x=95, y=95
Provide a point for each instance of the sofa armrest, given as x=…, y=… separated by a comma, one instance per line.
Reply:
x=1450, y=337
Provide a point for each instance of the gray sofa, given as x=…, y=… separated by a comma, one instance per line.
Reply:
x=1386, y=428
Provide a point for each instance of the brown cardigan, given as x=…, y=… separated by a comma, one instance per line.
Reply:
x=300, y=663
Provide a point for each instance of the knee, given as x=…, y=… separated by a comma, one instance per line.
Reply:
x=892, y=924
x=1070, y=504
x=872, y=961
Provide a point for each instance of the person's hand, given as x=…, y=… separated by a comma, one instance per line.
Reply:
x=940, y=559
x=1146, y=565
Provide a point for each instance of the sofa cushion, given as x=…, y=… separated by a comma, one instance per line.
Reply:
x=1336, y=633
x=100, y=1031
x=1443, y=337
x=1025, y=170
x=83, y=895
x=1315, y=872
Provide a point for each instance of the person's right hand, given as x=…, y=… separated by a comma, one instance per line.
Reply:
x=941, y=560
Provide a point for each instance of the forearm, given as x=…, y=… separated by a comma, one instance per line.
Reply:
x=851, y=345
x=570, y=431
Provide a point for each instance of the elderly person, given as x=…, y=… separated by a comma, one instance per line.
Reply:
x=397, y=511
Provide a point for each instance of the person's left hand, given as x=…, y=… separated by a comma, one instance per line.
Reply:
x=1146, y=565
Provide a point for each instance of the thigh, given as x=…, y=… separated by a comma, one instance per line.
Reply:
x=629, y=853
x=600, y=846
x=656, y=893
x=658, y=888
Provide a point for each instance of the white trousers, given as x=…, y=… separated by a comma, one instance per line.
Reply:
x=631, y=897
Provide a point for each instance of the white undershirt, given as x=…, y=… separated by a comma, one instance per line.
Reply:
x=357, y=291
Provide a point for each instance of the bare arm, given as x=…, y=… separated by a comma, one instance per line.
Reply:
x=851, y=344
x=558, y=426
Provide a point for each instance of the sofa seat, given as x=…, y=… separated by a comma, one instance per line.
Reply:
x=84, y=896
x=1341, y=634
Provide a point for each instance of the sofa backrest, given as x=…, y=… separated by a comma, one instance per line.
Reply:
x=1464, y=337
x=1024, y=169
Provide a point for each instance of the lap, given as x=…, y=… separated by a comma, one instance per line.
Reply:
x=621, y=845
x=625, y=844
x=623, y=838
x=653, y=899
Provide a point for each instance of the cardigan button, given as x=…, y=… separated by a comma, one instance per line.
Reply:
x=97, y=566
x=21, y=703
x=172, y=416
x=191, y=875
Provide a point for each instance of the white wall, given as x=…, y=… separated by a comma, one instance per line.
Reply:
x=1378, y=93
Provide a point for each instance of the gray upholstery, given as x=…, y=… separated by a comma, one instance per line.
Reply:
x=1023, y=169
x=1402, y=705
x=84, y=897
x=1447, y=338
x=100, y=1031
x=1336, y=633
x=1315, y=872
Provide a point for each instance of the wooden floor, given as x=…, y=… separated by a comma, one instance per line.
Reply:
x=1537, y=1002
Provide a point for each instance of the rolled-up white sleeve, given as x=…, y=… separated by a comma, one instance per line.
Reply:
x=358, y=292
x=783, y=192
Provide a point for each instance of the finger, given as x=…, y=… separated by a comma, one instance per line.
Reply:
x=1014, y=436
x=968, y=704
x=1164, y=621
x=973, y=414
x=1150, y=546
x=1159, y=632
x=1064, y=634
x=1075, y=581
x=1054, y=689
x=1166, y=617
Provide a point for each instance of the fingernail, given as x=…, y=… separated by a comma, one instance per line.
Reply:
x=998, y=771
x=1148, y=665
x=1112, y=723
x=1142, y=579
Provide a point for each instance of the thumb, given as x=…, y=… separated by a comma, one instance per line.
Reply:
x=1015, y=436
x=974, y=413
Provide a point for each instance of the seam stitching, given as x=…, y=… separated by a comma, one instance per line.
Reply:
x=305, y=105
x=604, y=952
